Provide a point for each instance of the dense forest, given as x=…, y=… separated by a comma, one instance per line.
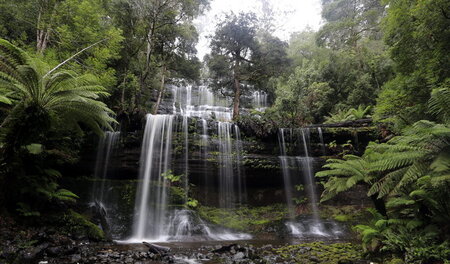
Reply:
x=72, y=70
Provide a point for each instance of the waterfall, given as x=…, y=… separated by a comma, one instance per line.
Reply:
x=186, y=156
x=204, y=155
x=106, y=147
x=303, y=166
x=260, y=101
x=154, y=218
x=242, y=186
x=285, y=166
x=308, y=173
x=322, y=143
x=151, y=199
x=226, y=179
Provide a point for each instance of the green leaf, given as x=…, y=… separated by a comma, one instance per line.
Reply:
x=34, y=149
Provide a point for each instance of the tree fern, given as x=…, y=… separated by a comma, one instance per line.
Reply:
x=439, y=102
x=64, y=95
x=344, y=174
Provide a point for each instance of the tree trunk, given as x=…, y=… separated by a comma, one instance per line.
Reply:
x=146, y=70
x=161, y=91
x=43, y=35
x=46, y=14
x=122, y=97
x=237, y=92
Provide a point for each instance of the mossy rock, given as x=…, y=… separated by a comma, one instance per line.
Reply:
x=321, y=252
x=78, y=225
x=248, y=219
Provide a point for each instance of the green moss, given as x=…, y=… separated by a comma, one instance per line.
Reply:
x=342, y=218
x=324, y=253
x=347, y=213
x=249, y=219
x=77, y=224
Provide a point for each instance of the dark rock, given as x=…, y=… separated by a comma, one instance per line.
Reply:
x=32, y=254
x=75, y=258
x=224, y=249
x=54, y=251
x=314, y=259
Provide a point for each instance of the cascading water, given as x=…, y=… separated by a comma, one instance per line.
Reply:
x=303, y=165
x=226, y=179
x=154, y=219
x=101, y=201
x=106, y=147
x=204, y=154
x=242, y=187
x=151, y=199
x=260, y=100
x=285, y=166
x=322, y=143
x=308, y=174
x=232, y=188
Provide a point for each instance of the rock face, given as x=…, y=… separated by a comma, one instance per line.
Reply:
x=260, y=162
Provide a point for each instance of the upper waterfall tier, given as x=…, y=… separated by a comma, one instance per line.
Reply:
x=203, y=103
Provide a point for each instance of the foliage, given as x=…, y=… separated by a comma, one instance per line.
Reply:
x=44, y=103
x=78, y=225
x=324, y=81
x=349, y=21
x=417, y=33
x=411, y=174
x=349, y=115
x=344, y=174
x=244, y=58
x=171, y=177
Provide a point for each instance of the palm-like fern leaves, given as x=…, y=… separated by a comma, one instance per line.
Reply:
x=344, y=174
x=352, y=114
x=63, y=95
x=408, y=157
x=391, y=168
x=439, y=102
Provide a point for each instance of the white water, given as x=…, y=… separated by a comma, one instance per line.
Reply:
x=105, y=150
x=260, y=100
x=151, y=199
x=309, y=225
x=322, y=143
x=154, y=220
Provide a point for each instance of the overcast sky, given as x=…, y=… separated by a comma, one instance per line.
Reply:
x=290, y=16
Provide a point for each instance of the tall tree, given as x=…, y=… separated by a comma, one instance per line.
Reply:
x=349, y=21
x=418, y=33
x=154, y=17
x=233, y=46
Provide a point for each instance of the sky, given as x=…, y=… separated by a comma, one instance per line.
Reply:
x=290, y=16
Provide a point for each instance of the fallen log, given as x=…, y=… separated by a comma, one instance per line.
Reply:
x=353, y=123
x=155, y=249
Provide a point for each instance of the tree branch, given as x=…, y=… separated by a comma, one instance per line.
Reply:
x=73, y=56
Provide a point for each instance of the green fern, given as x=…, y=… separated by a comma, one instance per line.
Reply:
x=348, y=115
x=439, y=102
x=64, y=95
x=344, y=174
